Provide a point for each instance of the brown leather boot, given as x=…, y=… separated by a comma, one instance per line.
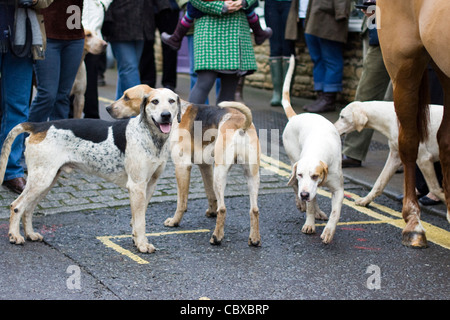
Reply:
x=16, y=185
x=239, y=95
x=306, y=107
x=326, y=103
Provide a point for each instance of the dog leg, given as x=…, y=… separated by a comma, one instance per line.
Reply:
x=336, y=205
x=310, y=225
x=207, y=175
x=253, y=181
x=220, y=182
x=78, y=106
x=392, y=163
x=139, y=202
x=37, y=187
x=183, y=175
x=426, y=166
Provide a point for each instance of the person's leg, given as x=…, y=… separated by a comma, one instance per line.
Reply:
x=128, y=55
x=166, y=22
x=47, y=78
x=91, y=94
x=372, y=85
x=228, y=85
x=204, y=84
x=71, y=55
x=315, y=52
x=334, y=65
x=147, y=67
x=15, y=98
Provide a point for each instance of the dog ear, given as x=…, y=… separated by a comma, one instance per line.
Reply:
x=324, y=173
x=143, y=104
x=179, y=109
x=359, y=119
x=293, y=178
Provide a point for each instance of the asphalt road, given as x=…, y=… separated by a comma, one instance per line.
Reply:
x=89, y=255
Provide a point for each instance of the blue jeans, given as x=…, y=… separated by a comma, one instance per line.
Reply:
x=328, y=63
x=276, y=13
x=55, y=76
x=128, y=55
x=15, y=84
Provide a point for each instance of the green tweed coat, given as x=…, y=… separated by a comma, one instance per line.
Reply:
x=222, y=41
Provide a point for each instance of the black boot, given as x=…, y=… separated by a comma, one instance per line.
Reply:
x=306, y=107
x=174, y=40
x=260, y=34
x=326, y=103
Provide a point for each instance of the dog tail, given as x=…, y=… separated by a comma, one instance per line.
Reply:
x=286, y=100
x=6, y=149
x=242, y=108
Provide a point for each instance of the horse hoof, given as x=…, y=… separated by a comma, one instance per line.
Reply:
x=414, y=239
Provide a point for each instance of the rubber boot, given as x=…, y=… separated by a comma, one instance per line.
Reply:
x=260, y=34
x=276, y=70
x=174, y=40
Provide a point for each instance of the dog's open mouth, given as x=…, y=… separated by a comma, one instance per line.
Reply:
x=164, y=127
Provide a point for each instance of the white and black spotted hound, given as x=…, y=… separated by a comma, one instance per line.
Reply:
x=131, y=153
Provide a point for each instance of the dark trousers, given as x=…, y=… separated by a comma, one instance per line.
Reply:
x=166, y=21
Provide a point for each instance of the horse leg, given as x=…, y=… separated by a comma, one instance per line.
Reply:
x=408, y=82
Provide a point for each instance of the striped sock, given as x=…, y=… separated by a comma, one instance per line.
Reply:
x=187, y=21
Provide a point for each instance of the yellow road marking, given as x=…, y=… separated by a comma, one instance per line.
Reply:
x=434, y=234
x=106, y=240
x=102, y=99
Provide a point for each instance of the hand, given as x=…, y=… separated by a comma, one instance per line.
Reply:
x=233, y=5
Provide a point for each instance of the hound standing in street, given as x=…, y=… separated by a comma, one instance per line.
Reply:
x=313, y=145
x=226, y=135
x=131, y=153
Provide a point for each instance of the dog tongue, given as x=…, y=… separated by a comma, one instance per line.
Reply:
x=165, y=127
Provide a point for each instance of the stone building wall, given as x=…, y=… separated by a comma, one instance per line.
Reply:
x=303, y=84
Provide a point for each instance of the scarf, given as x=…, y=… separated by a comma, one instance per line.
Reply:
x=27, y=34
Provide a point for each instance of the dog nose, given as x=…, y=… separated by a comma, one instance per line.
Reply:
x=304, y=195
x=166, y=116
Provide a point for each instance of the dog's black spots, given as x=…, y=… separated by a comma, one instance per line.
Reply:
x=94, y=130
x=210, y=116
x=215, y=241
x=16, y=210
x=119, y=128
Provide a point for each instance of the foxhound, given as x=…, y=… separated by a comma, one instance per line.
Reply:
x=208, y=136
x=380, y=116
x=92, y=44
x=131, y=153
x=314, y=147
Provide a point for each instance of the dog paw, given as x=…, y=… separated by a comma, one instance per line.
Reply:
x=171, y=222
x=211, y=213
x=309, y=229
x=327, y=235
x=16, y=239
x=320, y=215
x=254, y=242
x=363, y=202
x=34, y=236
x=215, y=240
x=146, y=248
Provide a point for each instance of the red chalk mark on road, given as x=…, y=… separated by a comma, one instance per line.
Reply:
x=367, y=248
x=353, y=229
x=361, y=239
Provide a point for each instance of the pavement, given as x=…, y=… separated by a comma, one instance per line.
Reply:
x=78, y=191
